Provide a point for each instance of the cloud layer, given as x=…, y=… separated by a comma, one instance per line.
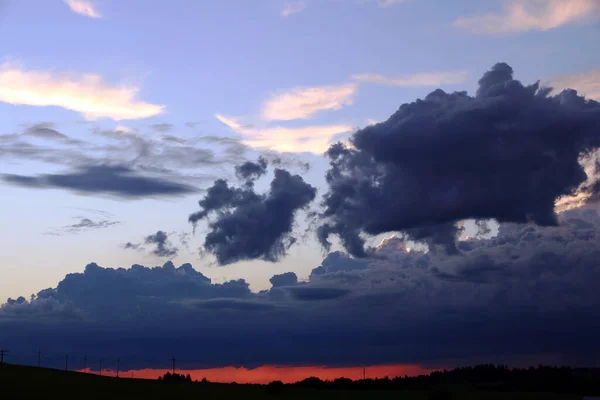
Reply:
x=118, y=181
x=490, y=302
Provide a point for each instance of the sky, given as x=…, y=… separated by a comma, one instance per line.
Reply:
x=300, y=156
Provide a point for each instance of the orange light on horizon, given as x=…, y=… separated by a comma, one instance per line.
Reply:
x=286, y=374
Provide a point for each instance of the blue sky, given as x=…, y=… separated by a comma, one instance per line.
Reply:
x=279, y=79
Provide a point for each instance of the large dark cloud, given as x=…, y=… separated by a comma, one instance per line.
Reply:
x=525, y=293
x=507, y=153
x=119, y=181
x=249, y=225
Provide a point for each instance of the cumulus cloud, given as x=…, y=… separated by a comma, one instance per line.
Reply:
x=508, y=153
x=339, y=262
x=414, y=80
x=527, y=15
x=292, y=7
x=87, y=94
x=119, y=181
x=285, y=279
x=84, y=7
x=490, y=301
x=587, y=83
x=302, y=103
x=314, y=139
x=249, y=225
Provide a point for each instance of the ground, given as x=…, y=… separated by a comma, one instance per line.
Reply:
x=18, y=382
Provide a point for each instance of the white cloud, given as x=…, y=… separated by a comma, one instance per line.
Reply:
x=314, y=139
x=301, y=103
x=87, y=94
x=586, y=83
x=526, y=15
x=84, y=7
x=414, y=80
x=293, y=7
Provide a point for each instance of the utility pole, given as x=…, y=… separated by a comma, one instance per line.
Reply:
x=2, y=352
x=85, y=364
x=100, y=367
x=66, y=362
x=118, y=365
x=364, y=373
x=39, y=358
x=173, y=359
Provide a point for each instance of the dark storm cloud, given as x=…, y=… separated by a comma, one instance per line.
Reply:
x=248, y=225
x=163, y=248
x=507, y=154
x=489, y=302
x=119, y=181
x=285, y=279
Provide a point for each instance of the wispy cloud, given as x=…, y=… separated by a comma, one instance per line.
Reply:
x=87, y=94
x=301, y=103
x=85, y=224
x=586, y=83
x=527, y=15
x=389, y=3
x=84, y=7
x=292, y=7
x=414, y=80
x=314, y=139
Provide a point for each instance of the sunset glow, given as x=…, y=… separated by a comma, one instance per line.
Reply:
x=286, y=374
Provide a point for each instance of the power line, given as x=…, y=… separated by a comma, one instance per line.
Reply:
x=2, y=352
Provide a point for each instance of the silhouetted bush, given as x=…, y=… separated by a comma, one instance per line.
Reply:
x=500, y=378
x=275, y=387
x=175, y=377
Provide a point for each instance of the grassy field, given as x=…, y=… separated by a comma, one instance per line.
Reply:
x=18, y=382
